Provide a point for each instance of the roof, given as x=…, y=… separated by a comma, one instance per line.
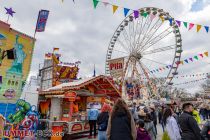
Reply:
x=6, y=25
x=101, y=82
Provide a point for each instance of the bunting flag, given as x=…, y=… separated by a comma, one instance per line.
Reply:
x=95, y=3
x=201, y=55
x=105, y=3
x=191, y=26
x=170, y=21
x=152, y=17
x=186, y=61
x=206, y=54
x=126, y=10
x=136, y=13
x=190, y=82
x=178, y=23
x=187, y=25
x=207, y=28
x=196, y=57
x=42, y=20
x=198, y=28
x=114, y=8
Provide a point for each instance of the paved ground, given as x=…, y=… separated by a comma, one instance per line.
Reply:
x=159, y=136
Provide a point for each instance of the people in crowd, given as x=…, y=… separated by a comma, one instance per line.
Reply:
x=154, y=117
x=133, y=111
x=102, y=121
x=189, y=127
x=149, y=126
x=196, y=115
x=92, y=117
x=202, y=112
x=142, y=133
x=171, y=125
x=121, y=124
x=205, y=132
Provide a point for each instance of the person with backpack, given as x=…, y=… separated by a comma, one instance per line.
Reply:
x=102, y=122
x=171, y=125
x=205, y=132
x=142, y=133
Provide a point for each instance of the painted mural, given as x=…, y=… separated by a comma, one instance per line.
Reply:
x=14, y=72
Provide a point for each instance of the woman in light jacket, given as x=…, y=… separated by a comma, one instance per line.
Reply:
x=171, y=125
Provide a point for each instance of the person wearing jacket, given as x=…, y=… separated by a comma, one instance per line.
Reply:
x=149, y=126
x=196, y=116
x=142, y=133
x=92, y=117
x=188, y=125
x=121, y=124
x=171, y=125
x=102, y=122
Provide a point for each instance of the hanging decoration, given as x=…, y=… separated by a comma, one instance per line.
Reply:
x=190, y=82
x=187, y=25
x=181, y=62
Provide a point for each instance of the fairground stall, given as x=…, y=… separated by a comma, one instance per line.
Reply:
x=64, y=107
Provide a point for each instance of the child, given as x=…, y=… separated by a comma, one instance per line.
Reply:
x=142, y=134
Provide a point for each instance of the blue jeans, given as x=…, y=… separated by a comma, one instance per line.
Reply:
x=102, y=135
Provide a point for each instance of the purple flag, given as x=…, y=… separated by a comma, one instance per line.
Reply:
x=178, y=23
x=191, y=59
x=136, y=13
x=42, y=20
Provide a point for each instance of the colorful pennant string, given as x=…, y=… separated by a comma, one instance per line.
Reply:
x=187, y=25
x=190, y=82
x=181, y=62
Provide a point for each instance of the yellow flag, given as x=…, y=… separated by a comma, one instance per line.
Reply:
x=162, y=18
x=198, y=28
x=206, y=54
x=114, y=7
x=181, y=62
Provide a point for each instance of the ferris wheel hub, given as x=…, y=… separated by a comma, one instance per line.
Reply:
x=137, y=56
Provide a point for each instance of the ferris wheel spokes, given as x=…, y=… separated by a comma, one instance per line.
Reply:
x=159, y=37
x=166, y=48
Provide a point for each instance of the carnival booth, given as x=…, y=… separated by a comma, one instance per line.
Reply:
x=65, y=106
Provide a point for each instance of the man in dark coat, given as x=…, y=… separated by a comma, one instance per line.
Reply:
x=189, y=127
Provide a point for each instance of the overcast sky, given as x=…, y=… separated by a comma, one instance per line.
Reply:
x=83, y=33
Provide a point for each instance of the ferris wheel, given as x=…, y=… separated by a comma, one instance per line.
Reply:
x=146, y=49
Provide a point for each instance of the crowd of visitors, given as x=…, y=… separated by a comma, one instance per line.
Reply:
x=135, y=122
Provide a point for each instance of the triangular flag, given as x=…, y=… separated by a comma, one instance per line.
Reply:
x=114, y=8
x=201, y=55
x=181, y=62
x=178, y=62
x=167, y=67
x=198, y=28
x=152, y=16
x=178, y=23
x=126, y=10
x=207, y=28
x=170, y=21
x=162, y=18
x=206, y=54
x=145, y=14
x=185, y=24
x=186, y=60
x=95, y=3
x=105, y=3
x=136, y=13
x=191, y=26
x=191, y=59
x=196, y=57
